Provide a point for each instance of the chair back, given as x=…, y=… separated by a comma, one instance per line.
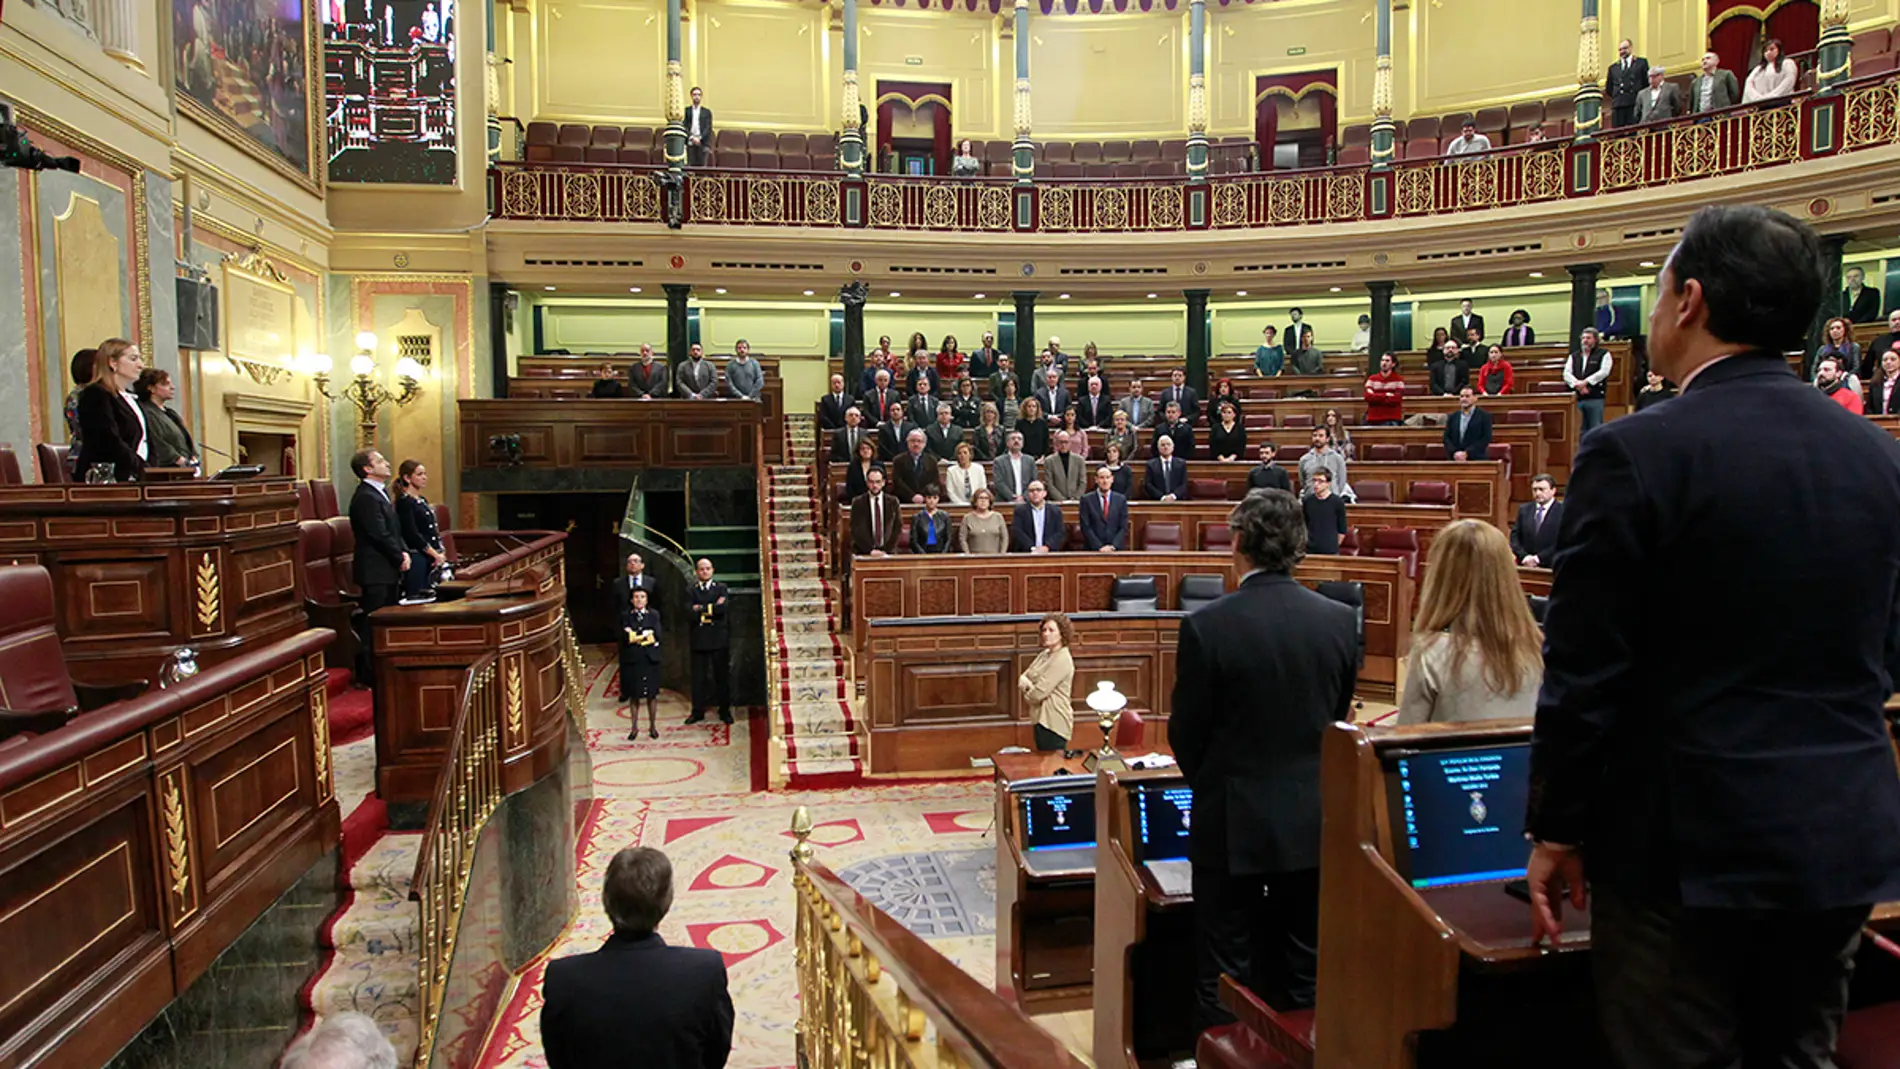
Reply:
x=1197, y=590
x=343, y=556
x=313, y=553
x=52, y=460
x=9, y=466
x=323, y=495
x=1540, y=604
x=1351, y=593
x=1373, y=490
x=1162, y=535
x=33, y=676
x=1429, y=492
x=1217, y=536
x=1385, y=451
x=1133, y=593
x=1128, y=729
x=1207, y=489
x=306, y=502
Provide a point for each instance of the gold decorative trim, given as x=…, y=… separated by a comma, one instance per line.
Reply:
x=209, y=588
x=177, y=845
x=142, y=257
x=320, y=739
x=511, y=686
x=311, y=177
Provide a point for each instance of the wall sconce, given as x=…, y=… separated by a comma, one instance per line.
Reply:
x=368, y=395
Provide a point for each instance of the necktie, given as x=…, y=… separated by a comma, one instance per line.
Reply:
x=1104, y=506
x=1540, y=516
x=877, y=523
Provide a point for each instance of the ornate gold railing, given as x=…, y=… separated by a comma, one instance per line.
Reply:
x=873, y=995
x=466, y=794
x=1865, y=114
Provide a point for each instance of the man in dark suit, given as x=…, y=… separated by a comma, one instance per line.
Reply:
x=635, y=579
x=1095, y=410
x=1173, y=425
x=983, y=358
x=380, y=557
x=875, y=519
x=1104, y=515
x=647, y=376
x=1887, y=339
x=942, y=436
x=674, y=999
x=844, y=440
x=1268, y=475
x=1534, y=535
x=877, y=400
x=712, y=645
x=1466, y=321
x=1254, y=761
x=1052, y=395
x=1037, y=526
x=1179, y=391
x=1468, y=430
x=831, y=406
x=894, y=433
x=921, y=409
x=1860, y=303
x=1626, y=78
x=699, y=131
x=913, y=469
x=1166, y=477
x=1711, y=769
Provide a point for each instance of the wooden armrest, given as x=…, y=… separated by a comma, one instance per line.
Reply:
x=94, y=696
x=16, y=722
x=1290, y=1041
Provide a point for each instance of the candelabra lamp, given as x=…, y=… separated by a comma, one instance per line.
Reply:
x=1108, y=703
x=364, y=390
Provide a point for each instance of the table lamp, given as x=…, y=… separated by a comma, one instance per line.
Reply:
x=1108, y=704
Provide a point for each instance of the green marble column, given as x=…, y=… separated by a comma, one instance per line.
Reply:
x=1384, y=131
x=851, y=142
x=1832, y=63
x=1023, y=166
x=1197, y=92
x=1589, y=75
x=675, y=94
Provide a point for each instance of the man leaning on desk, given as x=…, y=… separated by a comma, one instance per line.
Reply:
x=1259, y=675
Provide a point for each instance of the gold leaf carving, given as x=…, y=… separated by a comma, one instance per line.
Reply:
x=177, y=843
x=512, y=684
x=320, y=736
x=208, y=589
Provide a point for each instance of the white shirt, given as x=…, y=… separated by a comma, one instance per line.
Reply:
x=145, y=431
x=1038, y=514
x=1465, y=145
x=1362, y=340
x=1765, y=83
x=694, y=116
x=380, y=488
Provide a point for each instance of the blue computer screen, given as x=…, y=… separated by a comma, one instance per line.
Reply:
x=1061, y=821
x=1459, y=814
x=1162, y=817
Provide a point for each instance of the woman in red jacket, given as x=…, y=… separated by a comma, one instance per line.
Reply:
x=950, y=361
x=1495, y=376
x=1385, y=394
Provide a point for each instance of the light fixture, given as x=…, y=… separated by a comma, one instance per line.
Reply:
x=633, y=289
x=1335, y=289
x=1537, y=274
x=977, y=296
x=721, y=289
x=1062, y=296
x=1152, y=296
x=894, y=293
x=1107, y=703
x=550, y=289
x=807, y=293
x=364, y=391
x=1647, y=263
x=1240, y=293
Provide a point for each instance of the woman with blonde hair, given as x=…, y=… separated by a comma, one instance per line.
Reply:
x=111, y=424
x=1045, y=685
x=1477, y=653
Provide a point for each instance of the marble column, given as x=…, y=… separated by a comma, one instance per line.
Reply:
x=1197, y=96
x=1832, y=64
x=1832, y=245
x=1199, y=345
x=1384, y=131
x=1583, y=298
x=676, y=343
x=118, y=24
x=1589, y=75
x=675, y=114
x=1381, y=342
x=851, y=143
x=1023, y=164
x=852, y=297
x=1025, y=354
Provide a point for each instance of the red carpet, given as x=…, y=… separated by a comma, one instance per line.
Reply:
x=352, y=715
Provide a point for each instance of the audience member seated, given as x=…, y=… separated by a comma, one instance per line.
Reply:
x=914, y=469
x=1174, y=426
x=1325, y=513
x=1534, y=536
x=1267, y=475
x=1064, y=473
x=1656, y=390
x=1321, y=456
x=1166, y=478
x=1227, y=439
x=1476, y=651
x=875, y=518
x=1104, y=515
x=1831, y=381
x=674, y=998
x=1468, y=430
x=983, y=529
x=1012, y=472
x=856, y=480
x=696, y=379
x=1037, y=526
x=930, y=529
x=607, y=383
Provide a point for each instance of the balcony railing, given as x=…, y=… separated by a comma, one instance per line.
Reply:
x=1714, y=145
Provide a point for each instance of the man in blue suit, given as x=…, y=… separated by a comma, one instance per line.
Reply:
x=1104, y=515
x=1710, y=752
x=1468, y=430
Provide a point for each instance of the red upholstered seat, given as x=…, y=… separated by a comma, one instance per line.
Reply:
x=1429, y=492
x=1087, y=152
x=540, y=141
x=1870, y=1038
x=762, y=161
x=1292, y=453
x=821, y=144
x=1055, y=152
x=1880, y=64
x=1385, y=451
x=729, y=140
x=33, y=675
x=1259, y=1038
x=1161, y=536
x=52, y=460
x=442, y=528
x=730, y=159
x=1373, y=490
x=1338, y=391
x=1207, y=489
x=1217, y=536
x=1300, y=421
x=1128, y=169
x=1159, y=169
x=1145, y=150
x=1422, y=451
x=323, y=494
x=1491, y=123
x=343, y=556
x=1868, y=43
x=604, y=146
x=1355, y=155
x=794, y=161
x=1120, y=151
x=792, y=144
x=1452, y=125
x=1358, y=134
x=761, y=141
x=1128, y=729
x=1400, y=543
x=1522, y=415
x=1423, y=126
x=1098, y=170
x=570, y=146
x=9, y=466
x=1421, y=148
x=1349, y=542
x=306, y=502
x=1526, y=115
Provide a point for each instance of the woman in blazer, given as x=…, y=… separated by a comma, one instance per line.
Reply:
x=420, y=536
x=111, y=426
x=170, y=443
x=964, y=477
x=1120, y=475
x=640, y=662
x=1478, y=654
x=983, y=530
x=1034, y=429
x=930, y=529
x=1883, y=393
x=990, y=439
x=1122, y=434
x=1045, y=685
x=855, y=483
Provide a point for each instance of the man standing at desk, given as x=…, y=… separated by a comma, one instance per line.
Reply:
x=1259, y=675
x=1711, y=754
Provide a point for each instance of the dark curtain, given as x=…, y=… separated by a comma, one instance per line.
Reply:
x=927, y=99
x=1737, y=30
x=1269, y=89
x=1798, y=24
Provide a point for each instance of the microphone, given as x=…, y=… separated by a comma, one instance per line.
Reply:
x=215, y=449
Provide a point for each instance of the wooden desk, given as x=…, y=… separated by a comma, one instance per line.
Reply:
x=1556, y=414
x=142, y=570
x=1530, y=452
x=1044, y=923
x=620, y=433
x=1144, y=942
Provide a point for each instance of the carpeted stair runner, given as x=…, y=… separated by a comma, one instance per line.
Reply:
x=812, y=720
x=371, y=945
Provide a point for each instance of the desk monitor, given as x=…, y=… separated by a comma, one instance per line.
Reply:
x=1160, y=814
x=1458, y=814
x=1058, y=820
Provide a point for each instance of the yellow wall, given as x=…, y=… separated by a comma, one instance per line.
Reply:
x=587, y=326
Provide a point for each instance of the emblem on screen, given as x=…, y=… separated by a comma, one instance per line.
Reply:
x=1478, y=810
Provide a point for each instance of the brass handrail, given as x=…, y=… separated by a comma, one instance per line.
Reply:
x=466, y=794
x=661, y=535
x=871, y=992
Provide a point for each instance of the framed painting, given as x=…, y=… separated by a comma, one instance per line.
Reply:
x=247, y=69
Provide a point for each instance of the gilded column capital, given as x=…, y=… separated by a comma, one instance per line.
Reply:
x=1197, y=102
x=851, y=100
x=1022, y=107
x=675, y=92
x=1382, y=88
x=1588, y=52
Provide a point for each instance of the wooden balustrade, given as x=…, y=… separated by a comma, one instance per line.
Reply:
x=616, y=435
x=874, y=995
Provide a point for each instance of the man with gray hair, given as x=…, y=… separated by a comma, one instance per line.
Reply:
x=1011, y=473
x=1259, y=675
x=1660, y=99
x=637, y=1001
x=341, y=1041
